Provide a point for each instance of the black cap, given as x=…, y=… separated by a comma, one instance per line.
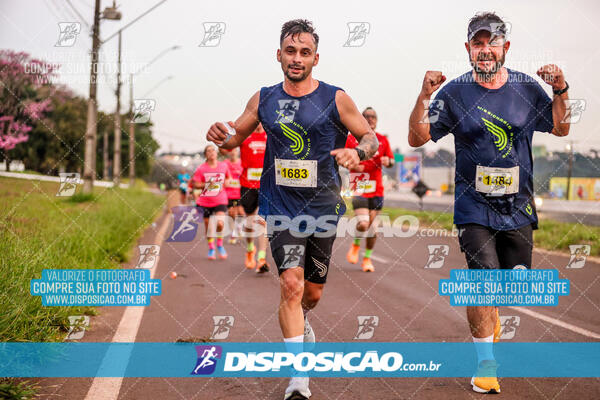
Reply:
x=491, y=25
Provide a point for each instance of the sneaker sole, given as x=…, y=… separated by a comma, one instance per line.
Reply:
x=295, y=396
x=480, y=390
x=262, y=269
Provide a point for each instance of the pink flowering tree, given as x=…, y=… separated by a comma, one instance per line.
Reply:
x=22, y=100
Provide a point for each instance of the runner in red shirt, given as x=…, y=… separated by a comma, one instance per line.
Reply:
x=253, y=154
x=207, y=185
x=367, y=186
x=232, y=188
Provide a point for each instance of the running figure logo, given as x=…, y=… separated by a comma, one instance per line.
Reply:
x=509, y=326
x=437, y=254
x=357, y=33
x=287, y=111
x=68, y=184
x=77, y=325
x=212, y=34
x=432, y=109
x=579, y=253
x=366, y=326
x=148, y=256
x=575, y=108
x=185, y=224
x=293, y=255
x=358, y=182
x=68, y=33
x=223, y=324
x=207, y=359
x=142, y=110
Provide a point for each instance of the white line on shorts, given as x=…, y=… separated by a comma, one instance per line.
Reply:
x=556, y=322
x=104, y=388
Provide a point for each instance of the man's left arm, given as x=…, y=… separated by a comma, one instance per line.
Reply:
x=553, y=76
x=359, y=128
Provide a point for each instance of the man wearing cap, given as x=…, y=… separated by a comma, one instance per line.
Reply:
x=492, y=111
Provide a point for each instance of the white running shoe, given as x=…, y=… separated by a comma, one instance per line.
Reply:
x=297, y=389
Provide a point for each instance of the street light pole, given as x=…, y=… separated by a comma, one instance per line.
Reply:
x=131, y=135
x=131, y=125
x=117, y=152
x=89, y=166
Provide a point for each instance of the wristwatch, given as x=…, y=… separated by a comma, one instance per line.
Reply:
x=561, y=91
x=361, y=154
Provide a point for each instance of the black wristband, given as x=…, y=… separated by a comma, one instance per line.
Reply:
x=361, y=154
x=559, y=92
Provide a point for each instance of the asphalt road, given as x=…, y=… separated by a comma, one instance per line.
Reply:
x=401, y=292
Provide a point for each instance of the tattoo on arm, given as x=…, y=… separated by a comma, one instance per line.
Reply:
x=369, y=144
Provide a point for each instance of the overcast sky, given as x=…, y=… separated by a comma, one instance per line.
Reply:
x=214, y=83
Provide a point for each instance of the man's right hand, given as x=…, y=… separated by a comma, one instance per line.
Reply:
x=432, y=82
x=217, y=133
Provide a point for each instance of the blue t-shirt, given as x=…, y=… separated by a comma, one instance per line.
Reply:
x=301, y=132
x=183, y=180
x=492, y=128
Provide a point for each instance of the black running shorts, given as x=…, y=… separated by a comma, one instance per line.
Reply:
x=487, y=248
x=249, y=199
x=311, y=252
x=206, y=212
x=372, y=203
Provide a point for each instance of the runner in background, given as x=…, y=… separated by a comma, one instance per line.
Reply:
x=208, y=184
x=253, y=153
x=183, y=177
x=232, y=188
x=368, y=198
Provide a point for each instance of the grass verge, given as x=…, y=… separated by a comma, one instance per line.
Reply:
x=41, y=231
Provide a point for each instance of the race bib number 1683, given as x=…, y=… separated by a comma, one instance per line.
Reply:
x=296, y=173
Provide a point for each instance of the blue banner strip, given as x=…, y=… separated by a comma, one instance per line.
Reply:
x=339, y=359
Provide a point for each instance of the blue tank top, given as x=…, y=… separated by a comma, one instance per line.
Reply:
x=300, y=177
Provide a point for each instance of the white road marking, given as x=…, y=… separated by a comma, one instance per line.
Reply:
x=556, y=322
x=379, y=259
x=108, y=388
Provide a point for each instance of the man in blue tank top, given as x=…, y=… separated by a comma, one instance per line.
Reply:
x=492, y=112
x=307, y=123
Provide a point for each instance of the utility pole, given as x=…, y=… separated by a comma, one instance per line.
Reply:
x=117, y=152
x=89, y=164
x=131, y=135
x=105, y=157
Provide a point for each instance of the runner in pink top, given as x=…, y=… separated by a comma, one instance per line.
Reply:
x=208, y=184
x=233, y=192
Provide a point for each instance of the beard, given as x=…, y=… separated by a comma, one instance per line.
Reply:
x=487, y=75
x=296, y=78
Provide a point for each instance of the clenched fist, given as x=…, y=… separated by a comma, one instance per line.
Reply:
x=218, y=133
x=432, y=82
x=347, y=158
x=553, y=76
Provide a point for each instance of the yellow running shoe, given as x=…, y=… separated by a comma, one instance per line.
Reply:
x=250, y=262
x=352, y=255
x=497, y=328
x=485, y=380
x=367, y=265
